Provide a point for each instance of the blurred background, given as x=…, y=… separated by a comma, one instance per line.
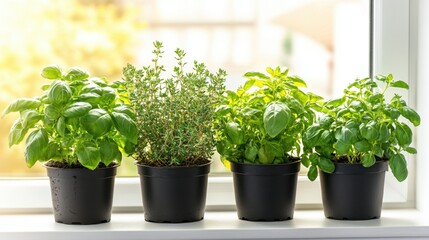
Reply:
x=326, y=42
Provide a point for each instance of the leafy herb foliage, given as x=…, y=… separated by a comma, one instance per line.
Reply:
x=263, y=121
x=175, y=115
x=78, y=121
x=362, y=127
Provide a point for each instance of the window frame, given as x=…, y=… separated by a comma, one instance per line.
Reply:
x=388, y=18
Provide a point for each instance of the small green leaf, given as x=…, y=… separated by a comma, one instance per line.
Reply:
x=368, y=160
x=52, y=72
x=249, y=83
x=298, y=81
x=52, y=112
x=21, y=104
x=345, y=135
x=36, y=144
x=411, y=115
x=61, y=126
x=59, y=92
x=384, y=133
x=75, y=74
x=274, y=148
x=399, y=167
x=125, y=110
x=305, y=160
x=335, y=102
x=255, y=74
x=108, y=96
x=314, y=159
x=399, y=84
x=251, y=152
x=404, y=134
x=126, y=126
x=248, y=111
x=264, y=156
x=17, y=133
x=77, y=109
x=326, y=165
x=312, y=173
x=276, y=118
x=311, y=136
x=234, y=133
x=222, y=110
x=97, y=122
x=411, y=150
x=369, y=131
x=341, y=147
x=88, y=154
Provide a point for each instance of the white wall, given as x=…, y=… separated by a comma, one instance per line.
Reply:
x=421, y=12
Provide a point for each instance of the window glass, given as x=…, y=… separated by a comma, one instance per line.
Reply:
x=326, y=42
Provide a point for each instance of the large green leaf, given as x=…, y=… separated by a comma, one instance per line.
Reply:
x=274, y=148
x=126, y=126
x=59, y=92
x=411, y=115
x=234, y=133
x=404, y=134
x=342, y=147
x=276, y=118
x=35, y=147
x=97, y=122
x=109, y=151
x=17, y=133
x=311, y=136
x=264, y=156
x=251, y=152
x=77, y=109
x=312, y=173
x=384, y=133
x=369, y=131
x=52, y=111
x=362, y=146
x=88, y=154
x=345, y=135
x=368, y=160
x=399, y=167
x=326, y=165
x=399, y=84
x=52, y=72
x=61, y=126
x=21, y=104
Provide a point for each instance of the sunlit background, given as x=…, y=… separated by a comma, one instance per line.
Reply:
x=326, y=42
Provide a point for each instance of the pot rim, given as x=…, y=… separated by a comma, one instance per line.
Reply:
x=173, y=171
x=266, y=169
x=106, y=172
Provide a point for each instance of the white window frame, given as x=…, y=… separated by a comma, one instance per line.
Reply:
x=392, y=54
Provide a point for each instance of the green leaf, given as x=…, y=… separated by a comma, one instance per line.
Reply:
x=411, y=150
x=29, y=118
x=305, y=160
x=274, y=148
x=125, y=110
x=298, y=81
x=75, y=74
x=52, y=112
x=312, y=173
x=264, y=156
x=345, y=135
x=108, y=96
x=17, y=133
x=251, y=152
x=399, y=84
x=362, y=146
x=77, y=109
x=234, y=133
x=61, y=126
x=404, y=134
x=88, y=154
x=248, y=111
x=411, y=115
x=335, y=102
x=126, y=126
x=52, y=72
x=256, y=74
x=222, y=110
x=109, y=151
x=36, y=144
x=368, y=160
x=276, y=118
x=342, y=147
x=21, y=104
x=326, y=120
x=52, y=152
x=384, y=133
x=97, y=122
x=59, y=92
x=326, y=165
x=399, y=167
x=301, y=96
x=311, y=136
x=314, y=159
x=368, y=131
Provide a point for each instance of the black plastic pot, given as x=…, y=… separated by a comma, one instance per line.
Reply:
x=174, y=194
x=353, y=192
x=82, y=196
x=265, y=192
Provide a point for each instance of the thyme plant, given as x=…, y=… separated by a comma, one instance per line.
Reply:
x=175, y=114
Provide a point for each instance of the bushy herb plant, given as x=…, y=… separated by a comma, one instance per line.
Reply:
x=362, y=127
x=263, y=121
x=77, y=121
x=175, y=114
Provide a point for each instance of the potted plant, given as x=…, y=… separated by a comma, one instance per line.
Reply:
x=80, y=128
x=352, y=144
x=259, y=135
x=175, y=118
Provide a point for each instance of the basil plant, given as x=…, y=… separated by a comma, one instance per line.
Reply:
x=77, y=121
x=263, y=121
x=362, y=127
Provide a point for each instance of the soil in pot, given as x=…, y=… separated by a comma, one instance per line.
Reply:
x=353, y=192
x=81, y=196
x=265, y=192
x=174, y=194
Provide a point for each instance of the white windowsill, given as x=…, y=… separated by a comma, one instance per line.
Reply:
x=406, y=224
